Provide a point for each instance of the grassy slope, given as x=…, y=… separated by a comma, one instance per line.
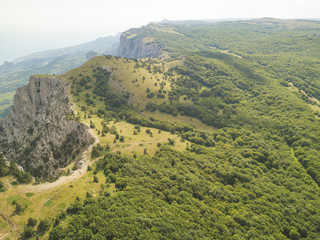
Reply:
x=124, y=77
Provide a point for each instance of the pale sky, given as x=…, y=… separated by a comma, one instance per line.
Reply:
x=32, y=25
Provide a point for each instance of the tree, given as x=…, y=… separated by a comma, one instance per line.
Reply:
x=19, y=208
x=28, y=232
x=294, y=234
x=75, y=207
x=171, y=141
x=43, y=226
x=32, y=222
x=95, y=179
x=57, y=233
x=2, y=187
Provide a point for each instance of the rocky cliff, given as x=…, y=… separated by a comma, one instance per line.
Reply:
x=37, y=133
x=138, y=47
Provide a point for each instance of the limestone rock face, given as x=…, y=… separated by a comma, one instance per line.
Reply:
x=37, y=133
x=136, y=47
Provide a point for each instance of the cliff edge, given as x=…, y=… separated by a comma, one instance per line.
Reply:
x=38, y=133
x=134, y=47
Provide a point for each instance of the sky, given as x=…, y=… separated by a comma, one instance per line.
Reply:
x=28, y=26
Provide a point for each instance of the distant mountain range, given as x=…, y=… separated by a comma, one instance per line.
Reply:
x=100, y=45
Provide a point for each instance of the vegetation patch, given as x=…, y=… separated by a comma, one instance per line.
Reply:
x=29, y=195
x=13, y=199
x=3, y=224
x=61, y=206
x=49, y=203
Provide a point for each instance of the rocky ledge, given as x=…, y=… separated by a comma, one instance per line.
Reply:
x=38, y=133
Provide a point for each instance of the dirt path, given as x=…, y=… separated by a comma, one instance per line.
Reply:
x=85, y=160
x=2, y=237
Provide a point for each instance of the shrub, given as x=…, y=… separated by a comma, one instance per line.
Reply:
x=43, y=226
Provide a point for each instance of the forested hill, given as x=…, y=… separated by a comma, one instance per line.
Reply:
x=239, y=100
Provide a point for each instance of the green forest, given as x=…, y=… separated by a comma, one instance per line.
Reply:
x=203, y=193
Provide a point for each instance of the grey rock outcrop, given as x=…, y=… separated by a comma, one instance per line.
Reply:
x=90, y=55
x=135, y=47
x=37, y=134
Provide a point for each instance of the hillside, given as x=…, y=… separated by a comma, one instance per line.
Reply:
x=216, y=138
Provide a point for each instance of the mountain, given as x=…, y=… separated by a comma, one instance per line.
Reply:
x=215, y=136
x=15, y=74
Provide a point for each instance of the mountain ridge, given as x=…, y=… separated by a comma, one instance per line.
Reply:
x=98, y=45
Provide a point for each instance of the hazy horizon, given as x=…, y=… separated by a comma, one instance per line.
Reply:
x=35, y=25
